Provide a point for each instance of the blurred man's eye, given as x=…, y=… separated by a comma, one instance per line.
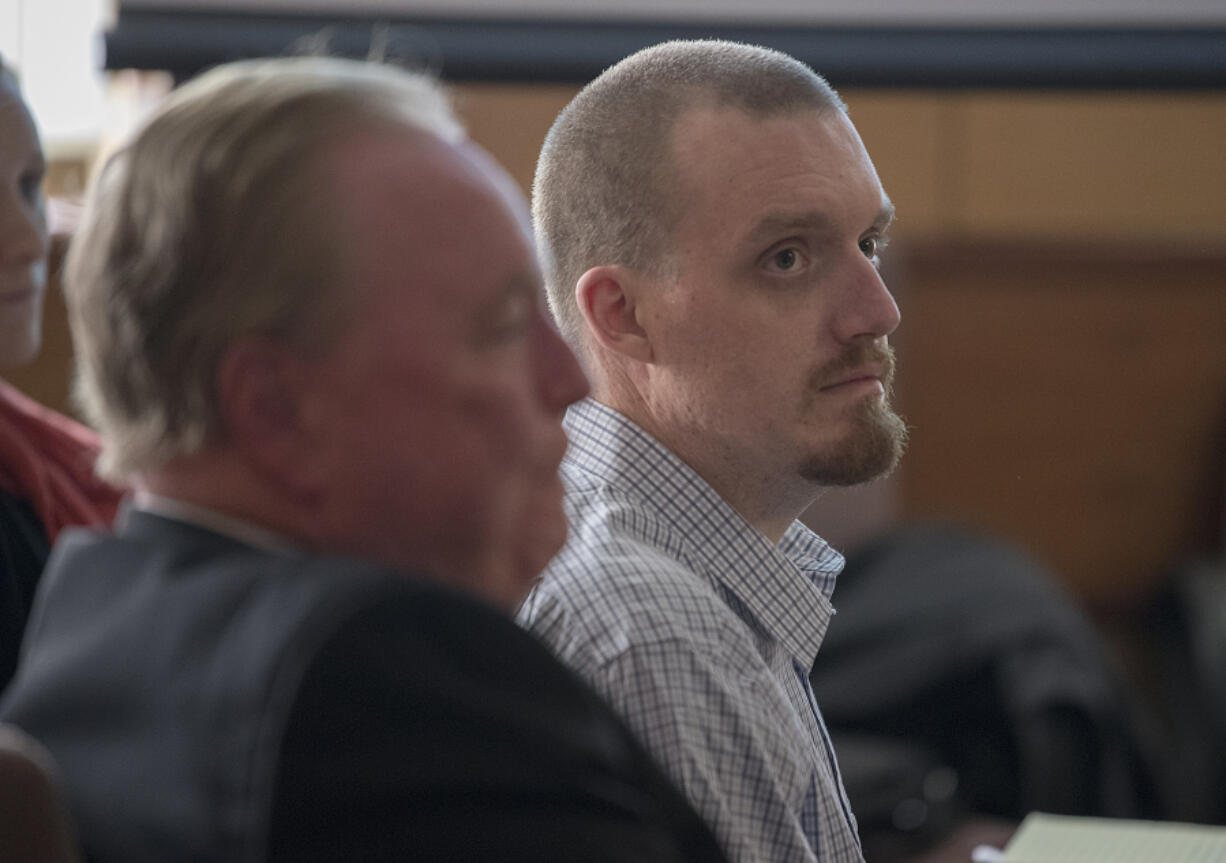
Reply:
x=31, y=185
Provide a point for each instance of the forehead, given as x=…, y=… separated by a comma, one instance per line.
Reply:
x=430, y=223
x=738, y=169
x=402, y=168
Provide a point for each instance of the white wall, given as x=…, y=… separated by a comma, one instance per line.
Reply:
x=54, y=45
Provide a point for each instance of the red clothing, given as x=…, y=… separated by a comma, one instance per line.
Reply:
x=47, y=459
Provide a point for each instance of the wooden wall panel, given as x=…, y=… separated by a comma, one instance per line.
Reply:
x=1054, y=166
x=914, y=140
x=1073, y=402
x=511, y=121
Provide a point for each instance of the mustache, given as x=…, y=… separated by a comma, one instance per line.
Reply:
x=856, y=358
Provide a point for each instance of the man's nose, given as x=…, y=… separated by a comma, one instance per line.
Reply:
x=868, y=308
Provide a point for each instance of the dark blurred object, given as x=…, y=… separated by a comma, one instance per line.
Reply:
x=23, y=554
x=964, y=653
x=902, y=792
x=1186, y=634
x=1188, y=626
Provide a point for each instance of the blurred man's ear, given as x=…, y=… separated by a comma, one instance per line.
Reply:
x=607, y=298
x=259, y=393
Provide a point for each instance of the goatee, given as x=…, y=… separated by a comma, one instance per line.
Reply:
x=879, y=438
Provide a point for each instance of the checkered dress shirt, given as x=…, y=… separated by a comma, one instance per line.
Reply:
x=701, y=633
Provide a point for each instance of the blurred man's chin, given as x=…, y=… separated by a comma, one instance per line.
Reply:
x=542, y=537
x=552, y=540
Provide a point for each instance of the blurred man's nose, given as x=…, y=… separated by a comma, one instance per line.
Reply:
x=562, y=382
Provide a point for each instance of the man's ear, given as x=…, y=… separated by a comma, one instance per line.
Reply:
x=608, y=300
x=259, y=394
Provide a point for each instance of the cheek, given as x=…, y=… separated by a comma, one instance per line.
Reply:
x=20, y=330
x=499, y=415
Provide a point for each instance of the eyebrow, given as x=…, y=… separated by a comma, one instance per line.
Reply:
x=811, y=221
x=776, y=224
x=885, y=216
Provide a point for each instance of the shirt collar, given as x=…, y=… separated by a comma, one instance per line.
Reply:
x=240, y=530
x=786, y=587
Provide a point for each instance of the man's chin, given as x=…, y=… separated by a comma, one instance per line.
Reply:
x=871, y=450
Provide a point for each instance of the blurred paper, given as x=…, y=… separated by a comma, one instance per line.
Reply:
x=1046, y=838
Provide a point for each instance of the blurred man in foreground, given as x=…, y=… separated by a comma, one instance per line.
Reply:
x=308, y=329
x=710, y=225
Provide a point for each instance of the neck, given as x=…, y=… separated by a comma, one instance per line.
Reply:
x=217, y=484
x=767, y=499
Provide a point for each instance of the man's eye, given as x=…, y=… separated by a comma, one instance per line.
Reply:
x=785, y=260
x=870, y=247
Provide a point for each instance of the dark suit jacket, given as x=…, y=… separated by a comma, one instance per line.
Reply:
x=23, y=554
x=207, y=701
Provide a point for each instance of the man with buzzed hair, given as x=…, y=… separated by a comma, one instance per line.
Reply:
x=710, y=225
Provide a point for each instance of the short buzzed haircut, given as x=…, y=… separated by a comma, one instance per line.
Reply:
x=209, y=226
x=605, y=184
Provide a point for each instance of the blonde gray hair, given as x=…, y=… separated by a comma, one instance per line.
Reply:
x=207, y=227
x=603, y=191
